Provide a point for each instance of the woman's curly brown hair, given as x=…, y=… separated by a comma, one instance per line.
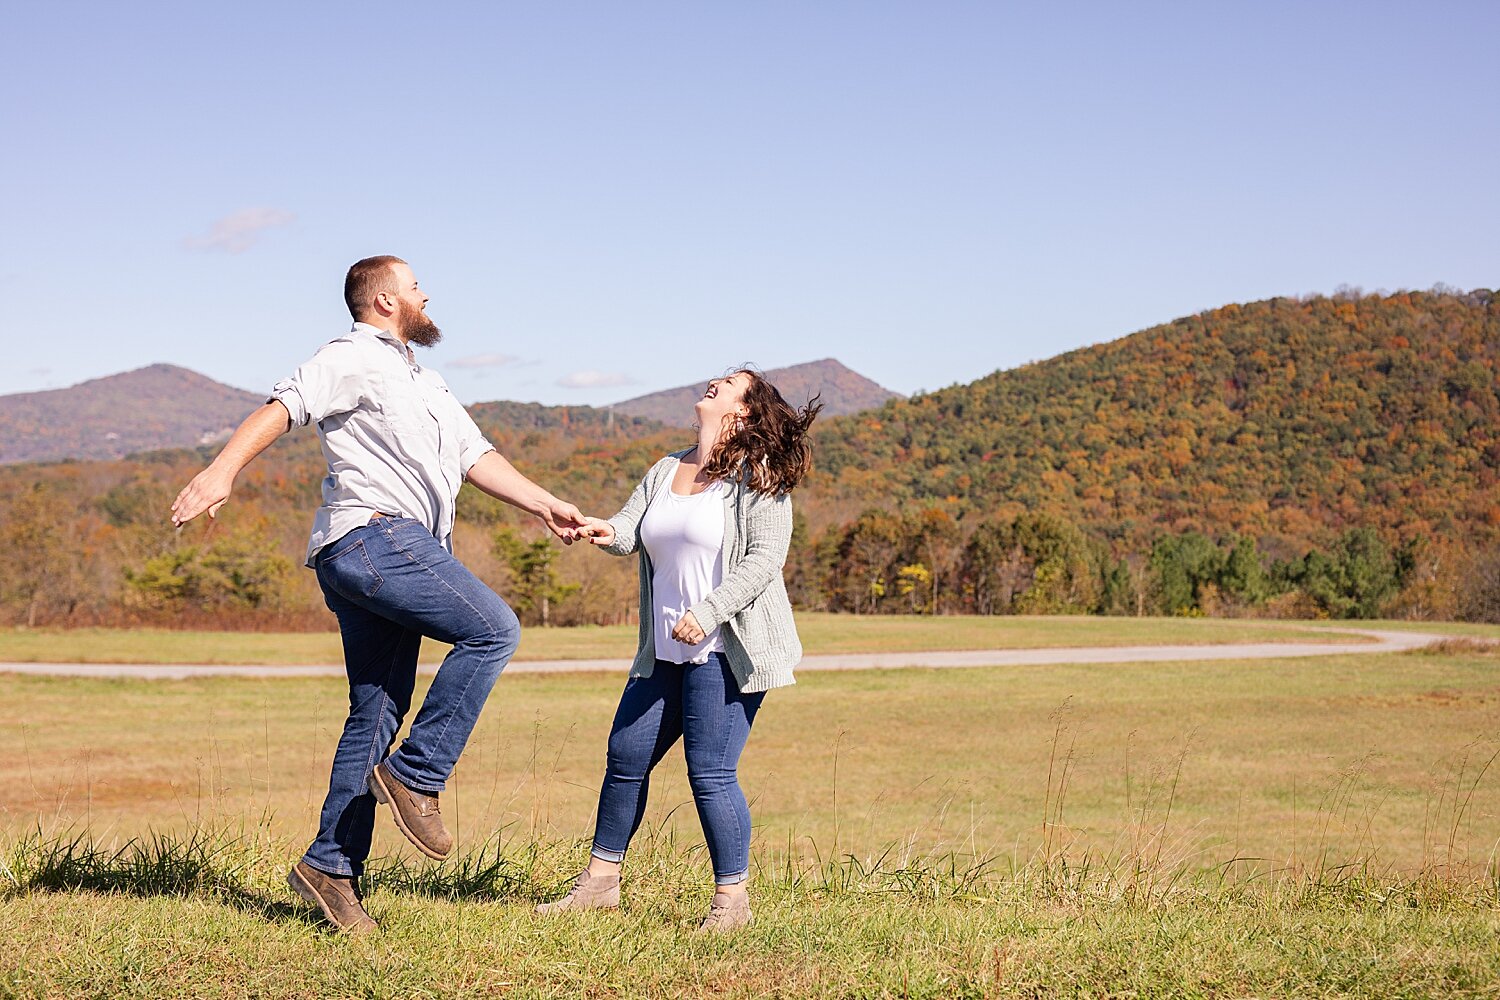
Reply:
x=769, y=443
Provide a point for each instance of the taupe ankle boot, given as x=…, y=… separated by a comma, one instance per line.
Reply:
x=589, y=892
x=727, y=912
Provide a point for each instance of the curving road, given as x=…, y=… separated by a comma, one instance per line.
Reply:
x=1385, y=642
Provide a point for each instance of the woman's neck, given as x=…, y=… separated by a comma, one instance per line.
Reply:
x=708, y=441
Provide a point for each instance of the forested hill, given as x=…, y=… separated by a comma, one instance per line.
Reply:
x=159, y=406
x=1284, y=419
x=1288, y=457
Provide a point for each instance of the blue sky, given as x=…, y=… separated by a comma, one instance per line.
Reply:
x=603, y=199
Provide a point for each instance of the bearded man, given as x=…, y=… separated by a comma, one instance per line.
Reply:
x=398, y=447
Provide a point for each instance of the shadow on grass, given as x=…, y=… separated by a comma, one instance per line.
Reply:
x=201, y=865
x=484, y=875
x=232, y=868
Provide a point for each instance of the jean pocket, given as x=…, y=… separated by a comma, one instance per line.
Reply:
x=350, y=571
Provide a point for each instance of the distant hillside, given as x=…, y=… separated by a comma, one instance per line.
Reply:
x=1286, y=420
x=160, y=406
x=1351, y=443
x=844, y=391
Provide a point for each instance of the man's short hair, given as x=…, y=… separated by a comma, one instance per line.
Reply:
x=366, y=279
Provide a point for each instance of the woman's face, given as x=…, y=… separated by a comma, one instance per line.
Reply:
x=723, y=396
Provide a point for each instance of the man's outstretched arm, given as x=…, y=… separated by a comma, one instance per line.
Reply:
x=496, y=476
x=210, y=488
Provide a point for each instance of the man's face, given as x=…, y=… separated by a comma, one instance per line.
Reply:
x=411, y=303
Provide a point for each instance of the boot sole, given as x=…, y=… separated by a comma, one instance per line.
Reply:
x=554, y=909
x=383, y=796
x=305, y=889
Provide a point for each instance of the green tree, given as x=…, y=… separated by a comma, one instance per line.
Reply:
x=1181, y=566
x=535, y=586
x=1243, y=576
x=1119, y=596
x=239, y=570
x=1066, y=567
x=1352, y=581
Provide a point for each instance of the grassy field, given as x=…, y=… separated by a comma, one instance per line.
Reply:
x=1163, y=829
x=210, y=919
x=821, y=633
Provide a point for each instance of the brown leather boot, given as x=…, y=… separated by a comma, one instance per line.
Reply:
x=338, y=897
x=589, y=892
x=416, y=813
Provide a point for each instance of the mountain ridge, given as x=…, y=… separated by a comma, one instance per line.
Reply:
x=103, y=418
x=163, y=405
x=842, y=391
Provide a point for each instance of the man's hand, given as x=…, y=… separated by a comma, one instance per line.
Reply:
x=208, y=491
x=598, y=531
x=687, y=631
x=565, y=520
x=210, y=488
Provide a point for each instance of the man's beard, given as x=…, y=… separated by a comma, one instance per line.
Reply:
x=416, y=327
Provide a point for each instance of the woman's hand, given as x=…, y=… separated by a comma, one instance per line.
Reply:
x=597, y=530
x=687, y=631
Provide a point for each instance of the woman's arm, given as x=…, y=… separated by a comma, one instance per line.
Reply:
x=626, y=525
x=768, y=535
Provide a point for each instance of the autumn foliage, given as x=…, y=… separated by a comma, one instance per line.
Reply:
x=1321, y=456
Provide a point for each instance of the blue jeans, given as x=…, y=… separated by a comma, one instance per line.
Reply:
x=390, y=583
x=702, y=704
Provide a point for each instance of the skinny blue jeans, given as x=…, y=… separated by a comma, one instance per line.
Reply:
x=702, y=704
x=389, y=584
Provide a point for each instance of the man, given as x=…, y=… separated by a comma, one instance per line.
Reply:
x=398, y=447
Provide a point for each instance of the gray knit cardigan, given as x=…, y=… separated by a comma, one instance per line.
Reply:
x=760, y=638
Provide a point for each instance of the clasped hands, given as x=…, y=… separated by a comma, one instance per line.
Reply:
x=571, y=525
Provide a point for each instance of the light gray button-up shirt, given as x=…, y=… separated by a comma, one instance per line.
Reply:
x=395, y=439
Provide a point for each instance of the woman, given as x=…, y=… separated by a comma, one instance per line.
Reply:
x=712, y=525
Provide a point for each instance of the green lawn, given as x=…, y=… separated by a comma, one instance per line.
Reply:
x=227, y=930
x=1105, y=806
x=821, y=633
x=860, y=759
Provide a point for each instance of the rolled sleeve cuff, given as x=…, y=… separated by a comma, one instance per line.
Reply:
x=471, y=454
x=289, y=394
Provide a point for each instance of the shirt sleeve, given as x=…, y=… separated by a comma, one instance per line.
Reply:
x=332, y=381
x=472, y=444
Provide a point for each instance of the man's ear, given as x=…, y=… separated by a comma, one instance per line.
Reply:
x=384, y=303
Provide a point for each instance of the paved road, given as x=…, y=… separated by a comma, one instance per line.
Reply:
x=1386, y=642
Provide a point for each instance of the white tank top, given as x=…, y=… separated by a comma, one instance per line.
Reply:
x=684, y=536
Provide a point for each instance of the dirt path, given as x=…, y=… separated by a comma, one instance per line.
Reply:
x=1386, y=642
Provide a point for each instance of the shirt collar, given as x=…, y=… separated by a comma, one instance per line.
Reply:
x=390, y=338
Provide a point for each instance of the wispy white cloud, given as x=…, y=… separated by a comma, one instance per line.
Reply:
x=486, y=361
x=594, y=380
x=239, y=231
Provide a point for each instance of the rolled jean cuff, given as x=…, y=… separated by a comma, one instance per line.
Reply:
x=732, y=879
x=403, y=774
x=614, y=857
x=340, y=867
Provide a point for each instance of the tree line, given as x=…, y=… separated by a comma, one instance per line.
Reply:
x=1302, y=457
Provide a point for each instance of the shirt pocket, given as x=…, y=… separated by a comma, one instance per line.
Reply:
x=403, y=407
